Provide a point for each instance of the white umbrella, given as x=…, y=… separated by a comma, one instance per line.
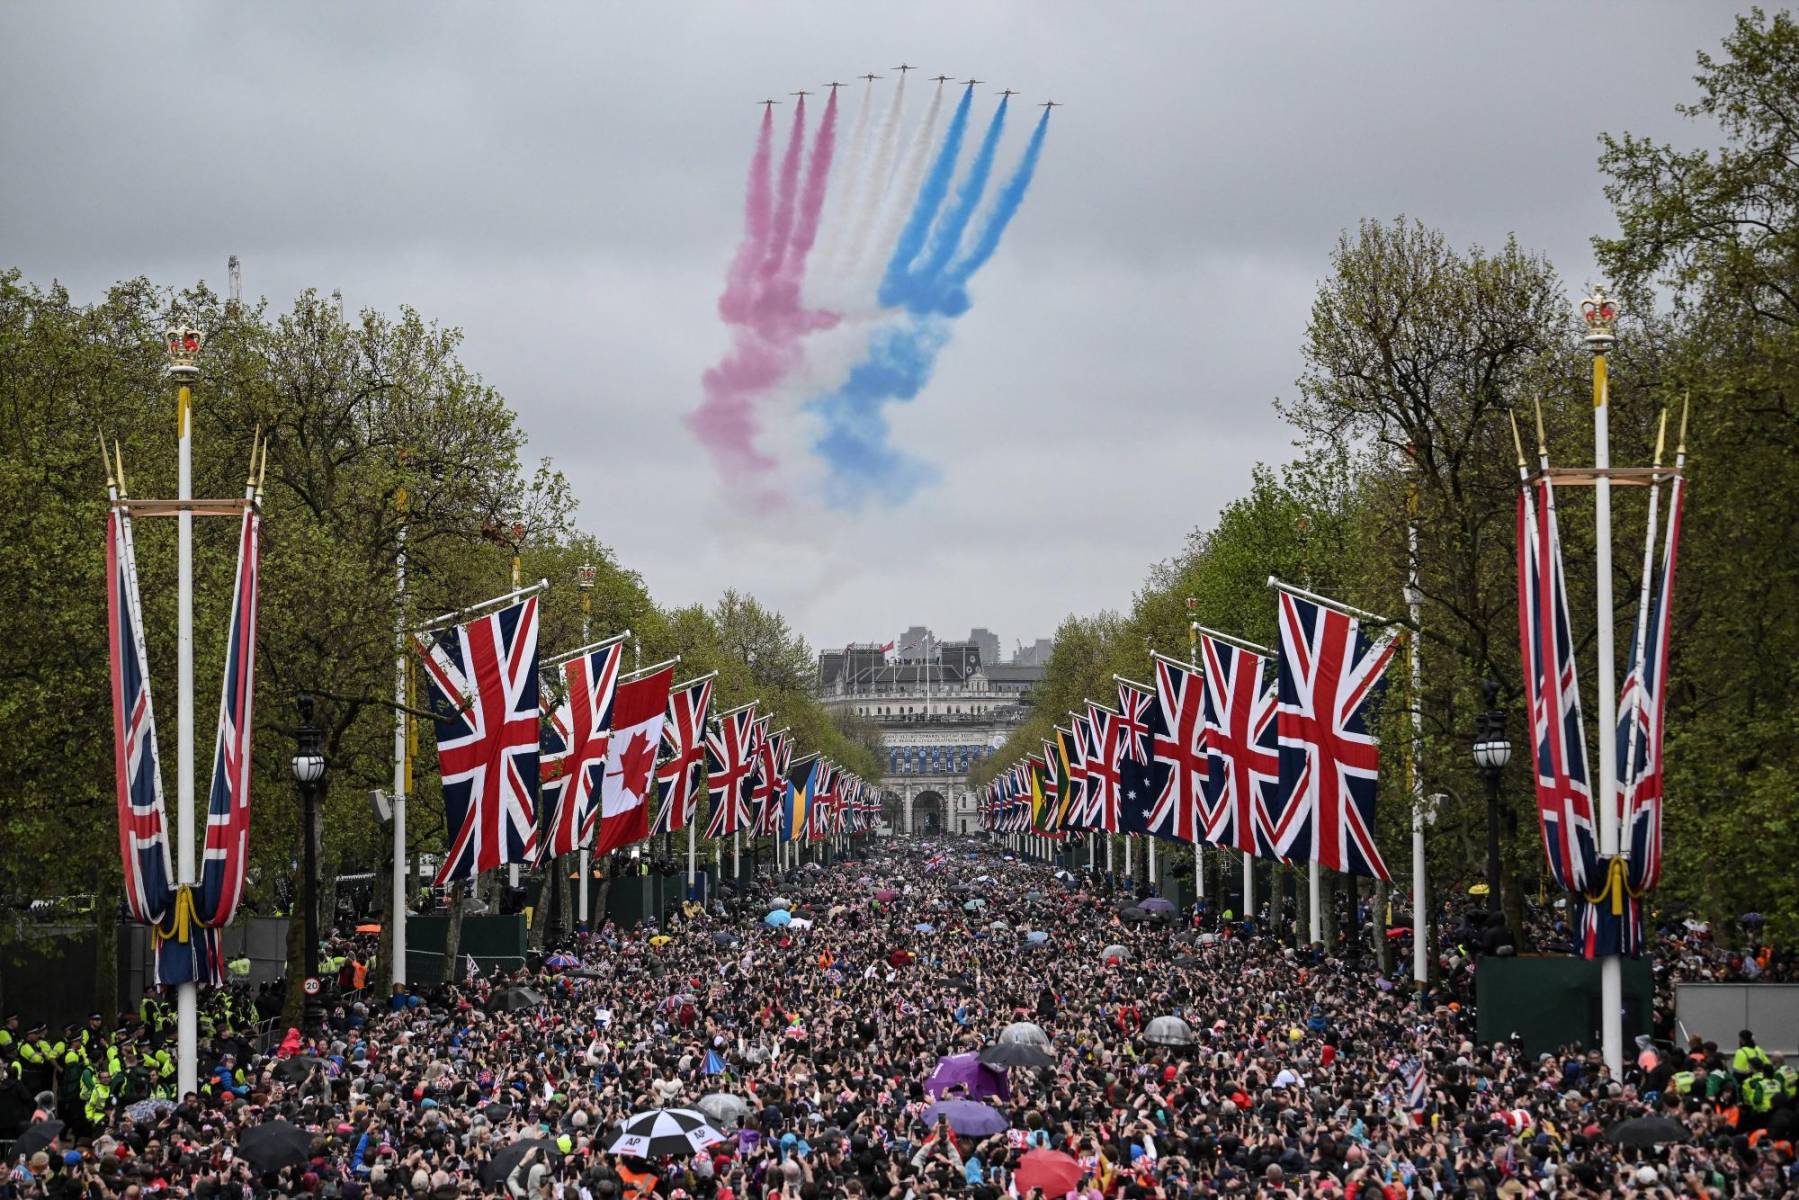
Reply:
x=724, y=1109
x=664, y=1131
x=1117, y=952
x=1028, y=1032
x=1168, y=1031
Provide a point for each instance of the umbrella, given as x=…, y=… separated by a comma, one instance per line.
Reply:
x=661, y=1131
x=1752, y=918
x=975, y=905
x=1188, y=960
x=297, y=1068
x=1479, y=889
x=970, y=1118
x=724, y=937
x=1033, y=895
x=558, y=962
x=723, y=1109
x=1017, y=1054
x=780, y=902
x=149, y=1110
x=36, y=1137
x=1168, y=1031
x=497, y=1111
x=886, y=894
x=1053, y=1171
x=371, y=928
x=1647, y=1131
x=661, y=939
x=1036, y=937
x=999, y=926
x=799, y=923
x=924, y=927
x=1134, y=914
x=967, y=1072
x=678, y=999
x=1114, y=952
x=1157, y=904
x=514, y=999
x=777, y=918
x=273, y=1145
x=495, y=1170
x=1399, y=931
x=1028, y=1032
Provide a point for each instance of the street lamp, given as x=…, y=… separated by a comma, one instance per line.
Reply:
x=1491, y=752
x=309, y=773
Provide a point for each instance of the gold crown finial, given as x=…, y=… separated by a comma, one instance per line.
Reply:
x=184, y=349
x=1599, y=312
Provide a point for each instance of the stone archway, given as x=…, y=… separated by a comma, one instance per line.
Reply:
x=930, y=813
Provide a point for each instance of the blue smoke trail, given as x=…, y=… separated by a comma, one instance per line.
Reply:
x=952, y=300
x=946, y=238
x=930, y=199
x=900, y=359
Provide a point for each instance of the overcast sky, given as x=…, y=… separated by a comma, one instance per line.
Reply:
x=564, y=182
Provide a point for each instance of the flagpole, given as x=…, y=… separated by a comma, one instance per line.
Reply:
x=584, y=579
x=1414, y=598
x=184, y=349
x=1199, y=845
x=397, y=970
x=1600, y=314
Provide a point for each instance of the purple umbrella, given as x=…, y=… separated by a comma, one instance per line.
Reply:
x=968, y=1073
x=1157, y=904
x=968, y=1117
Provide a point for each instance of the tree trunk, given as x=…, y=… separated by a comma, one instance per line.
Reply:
x=540, y=909
x=294, y=1003
x=384, y=903
x=1383, y=949
x=453, y=935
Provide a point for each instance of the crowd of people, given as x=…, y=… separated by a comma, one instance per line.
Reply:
x=829, y=1053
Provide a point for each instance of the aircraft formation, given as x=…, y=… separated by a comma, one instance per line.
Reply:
x=870, y=77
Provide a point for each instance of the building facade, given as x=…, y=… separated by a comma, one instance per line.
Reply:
x=940, y=712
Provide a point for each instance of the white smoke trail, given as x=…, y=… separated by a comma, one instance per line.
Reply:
x=827, y=261
x=874, y=186
x=900, y=199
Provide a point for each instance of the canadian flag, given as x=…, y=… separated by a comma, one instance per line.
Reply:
x=637, y=715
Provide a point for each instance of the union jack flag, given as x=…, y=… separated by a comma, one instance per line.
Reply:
x=228, y=806
x=1080, y=735
x=683, y=749
x=819, y=809
x=1552, y=691
x=1329, y=672
x=482, y=678
x=137, y=774
x=1049, y=818
x=1243, y=756
x=572, y=756
x=731, y=760
x=1102, y=767
x=771, y=787
x=1181, y=748
x=1641, y=711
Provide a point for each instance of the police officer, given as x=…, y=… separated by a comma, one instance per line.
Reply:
x=1749, y=1058
x=41, y=1057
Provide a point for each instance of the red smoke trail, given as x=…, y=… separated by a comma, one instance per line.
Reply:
x=740, y=285
x=762, y=296
x=790, y=184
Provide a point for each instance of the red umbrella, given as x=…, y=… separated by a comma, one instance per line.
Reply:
x=1053, y=1171
x=886, y=894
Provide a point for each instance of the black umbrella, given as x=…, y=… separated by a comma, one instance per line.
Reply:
x=1016, y=1054
x=1188, y=960
x=495, y=1170
x=297, y=1068
x=36, y=1137
x=1647, y=1131
x=1134, y=914
x=273, y=1145
x=663, y=1131
x=515, y=998
x=497, y=1111
x=724, y=938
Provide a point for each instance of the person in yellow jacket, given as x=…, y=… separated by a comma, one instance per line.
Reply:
x=98, y=1098
x=1749, y=1058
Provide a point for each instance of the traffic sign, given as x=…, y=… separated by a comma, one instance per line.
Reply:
x=312, y=985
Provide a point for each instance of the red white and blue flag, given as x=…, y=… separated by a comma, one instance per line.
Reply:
x=1552, y=693
x=630, y=778
x=1330, y=674
x=1140, y=773
x=683, y=751
x=482, y=681
x=228, y=805
x=731, y=770
x=143, y=822
x=1180, y=746
x=1102, y=767
x=572, y=754
x=1640, y=715
x=1243, y=775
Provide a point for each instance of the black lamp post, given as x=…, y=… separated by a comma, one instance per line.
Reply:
x=1491, y=752
x=309, y=773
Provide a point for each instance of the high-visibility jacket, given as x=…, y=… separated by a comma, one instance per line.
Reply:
x=99, y=1096
x=1748, y=1060
x=1683, y=1081
x=1759, y=1092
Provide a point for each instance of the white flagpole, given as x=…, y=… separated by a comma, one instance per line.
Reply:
x=397, y=970
x=1414, y=598
x=1249, y=886
x=1601, y=313
x=585, y=580
x=187, y=1008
